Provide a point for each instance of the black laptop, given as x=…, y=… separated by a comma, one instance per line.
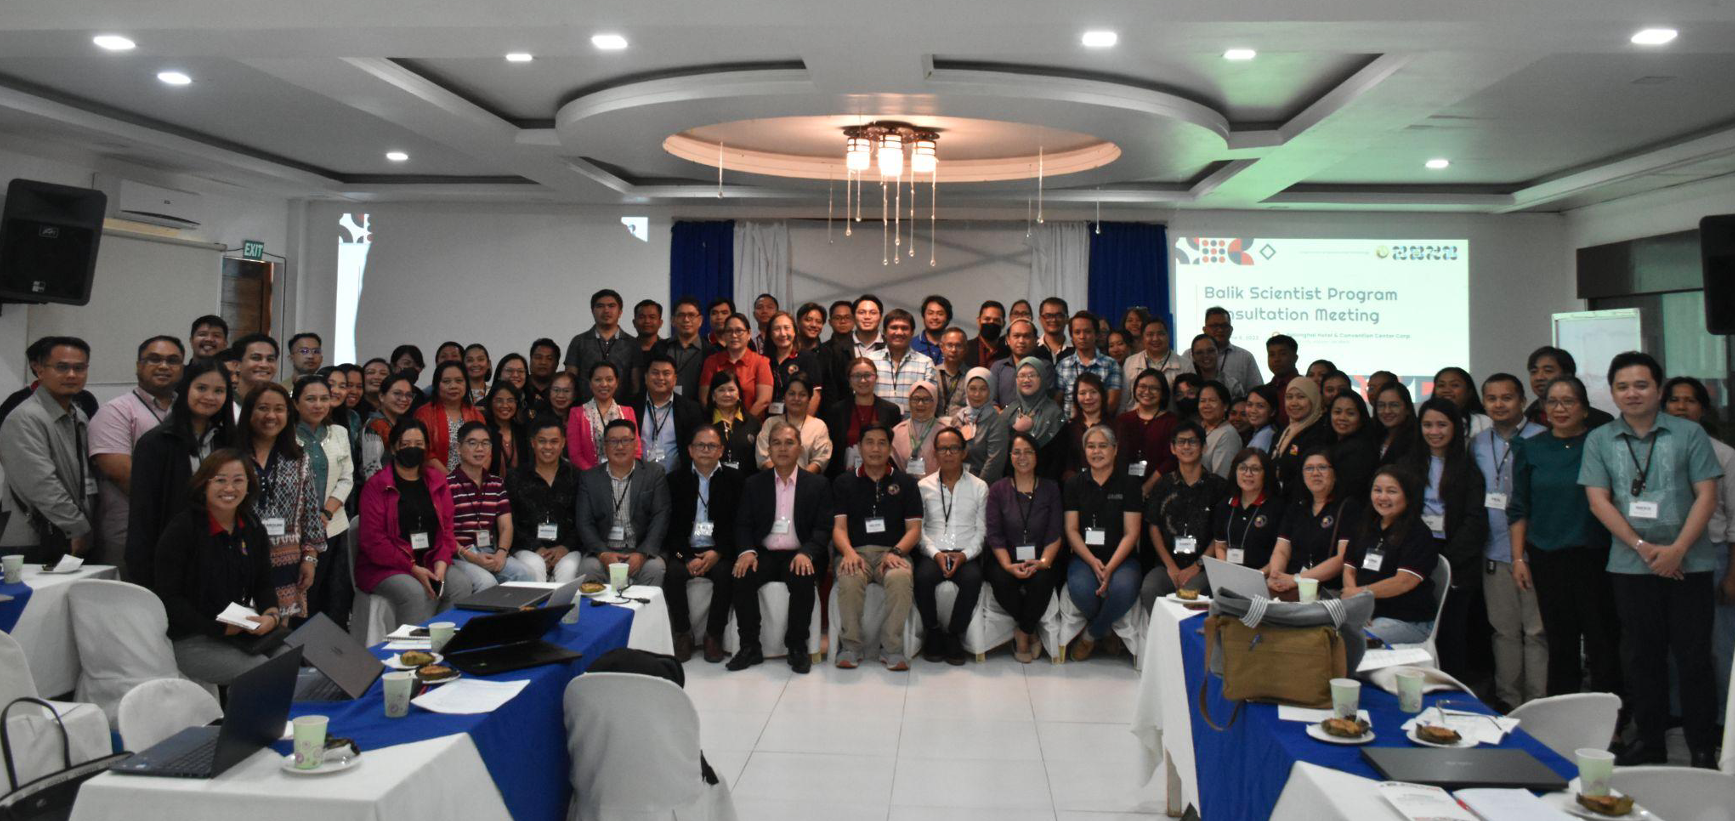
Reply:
x=342, y=668
x=258, y=710
x=503, y=597
x=503, y=642
x=1462, y=769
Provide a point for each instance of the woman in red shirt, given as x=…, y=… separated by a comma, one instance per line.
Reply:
x=449, y=411
x=751, y=370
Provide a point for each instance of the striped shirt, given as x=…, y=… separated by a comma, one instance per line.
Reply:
x=1070, y=368
x=476, y=509
x=896, y=381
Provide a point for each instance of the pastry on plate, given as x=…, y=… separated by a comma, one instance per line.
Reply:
x=1187, y=594
x=415, y=658
x=435, y=672
x=1613, y=806
x=1435, y=734
x=1344, y=728
x=592, y=588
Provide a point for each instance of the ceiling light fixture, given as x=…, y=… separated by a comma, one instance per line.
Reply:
x=880, y=145
x=174, y=78
x=1100, y=39
x=1654, y=37
x=397, y=156
x=1438, y=163
x=520, y=57
x=1240, y=54
x=608, y=42
x=113, y=42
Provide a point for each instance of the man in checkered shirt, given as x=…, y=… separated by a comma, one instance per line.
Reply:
x=899, y=367
x=1086, y=359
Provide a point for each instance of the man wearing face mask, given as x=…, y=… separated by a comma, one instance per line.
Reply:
x=988, y=347
x=1186, y=389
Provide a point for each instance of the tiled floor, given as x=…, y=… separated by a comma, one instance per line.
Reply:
x=997, y=740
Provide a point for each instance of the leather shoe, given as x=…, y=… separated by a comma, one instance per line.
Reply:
x=955, y=654
x=1703, y=759
x=746, y=657
x=800, y=661
x=1639, y=753
x=683, y=647
x=934, y=646
x=713, y=649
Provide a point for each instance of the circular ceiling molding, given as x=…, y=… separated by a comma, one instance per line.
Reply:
x=970, y=150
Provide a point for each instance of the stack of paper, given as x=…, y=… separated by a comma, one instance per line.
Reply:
x=469, y=695
x=1509, y=805
x=1286, y=712
x=239, y=615
x=1376, y=659
x=1419, y=802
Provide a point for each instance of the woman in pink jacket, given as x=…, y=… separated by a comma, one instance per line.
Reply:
x=584, y=426
x=407, y=544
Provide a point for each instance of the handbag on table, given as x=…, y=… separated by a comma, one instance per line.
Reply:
x=1281, y=652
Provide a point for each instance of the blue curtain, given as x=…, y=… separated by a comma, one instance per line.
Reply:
x=702, y=261
x=1129, y=265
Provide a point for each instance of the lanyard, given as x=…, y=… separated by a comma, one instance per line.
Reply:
x=945, y=389
x=705, y=497
x=1252, y=515
x=656, y=423
x=626, y=489
x=1500, y=463
x=1645, y=471
x=1019, y=498
x=946, y=503
x=916, y=441
x=149, y=406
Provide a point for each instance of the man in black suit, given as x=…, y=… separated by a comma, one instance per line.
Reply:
x=835, y=353
x=666, y=419
x=781, y=533
x=706, y=500
x=623, y=511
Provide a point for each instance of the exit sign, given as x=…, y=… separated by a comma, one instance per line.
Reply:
x=252, y=249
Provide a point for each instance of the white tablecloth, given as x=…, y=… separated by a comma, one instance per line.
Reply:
x=1315, y=793
x=1161, y=714
x=44, y=629
x=36, y=744
x=438, y=778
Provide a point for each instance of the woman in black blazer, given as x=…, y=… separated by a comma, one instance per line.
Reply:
x=846, y=418
x=1356, y=453
x=163, y=461
x=1453, y=509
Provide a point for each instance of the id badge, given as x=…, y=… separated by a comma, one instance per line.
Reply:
x=776, y=409
x=548, y=531
x=1373, y=561
x=274, y=526
x=1435, y=523
x=419, y=541
x=1024, y=553
x=876, y=524
x=704, y=528
x=1494, y=501
x=781, y=526
x=90, y=486
x=484, y=539
x=854, y=457
x=1095, y=536
x=1186, y=545
x=917, y=465
x=1237, y=555
x=1642, y=510
x=732, y=465
x=1136, y=468
x=617, y=533
x=678, y=390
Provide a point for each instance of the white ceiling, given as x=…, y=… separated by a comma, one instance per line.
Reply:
x=1535, y=103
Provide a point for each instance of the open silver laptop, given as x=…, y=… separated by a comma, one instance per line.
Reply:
x=1242, y=581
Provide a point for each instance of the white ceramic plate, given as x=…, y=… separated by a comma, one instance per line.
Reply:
x=1203, y=599
x=330, y=765
x=1567, y=802
x=1318, y=733
x=1462, y=743
x=396, y=664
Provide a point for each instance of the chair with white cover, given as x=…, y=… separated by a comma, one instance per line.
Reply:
x=773, y=623
x=1442, y=586
x=370, y=616
x=1069, y=622
x=1679, y=793
x=158, y=709
x=1571, y=722
x=34, y=738
x=990, y=626
x=700, y=594
x=634, y=743
x=122, y=633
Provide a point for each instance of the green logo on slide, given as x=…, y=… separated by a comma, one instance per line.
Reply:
x=1382, y=252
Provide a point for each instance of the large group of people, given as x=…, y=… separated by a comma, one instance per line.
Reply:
x=1534, y=538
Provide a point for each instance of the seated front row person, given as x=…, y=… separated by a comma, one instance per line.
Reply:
x=1103, y=511
x=212, y=553
x=407, y=543
x=1392, y=556
x=705, y=499
x=544, y=498
x=782, y=532
x=1023, y=531
x=482, y=514
x=954, y=511
x=877, y=522
x=623, y=511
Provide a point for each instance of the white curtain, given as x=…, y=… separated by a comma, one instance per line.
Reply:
x=1059, y=264
x=761, y=262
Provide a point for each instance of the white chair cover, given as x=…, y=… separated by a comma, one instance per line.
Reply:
x=773, y=623
x=371, y=618
x=1130, y=627
x=990, y=627
x=700, y=591
x=1679, y=793
x=873, y=616
x=158, y=709
x=1571, y=722
x=1442, y=586
x=634, y=742
x=122, y=633
x=35, y=739
x=15, y=680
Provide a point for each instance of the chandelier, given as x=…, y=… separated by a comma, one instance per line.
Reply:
x=880, y=146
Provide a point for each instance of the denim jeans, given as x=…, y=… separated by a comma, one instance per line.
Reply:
x=1102, y=611
x=1393, y=631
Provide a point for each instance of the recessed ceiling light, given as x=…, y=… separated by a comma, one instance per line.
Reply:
x=1240, y=54
x=1654, y=37
x=519, y=57
x=397, y=156
x=113, y=42
x=1100, y=39
x=1438, y=163
x=174, y=78
x=608, y=42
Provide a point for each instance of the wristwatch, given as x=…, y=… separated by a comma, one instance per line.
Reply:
x=310, y=559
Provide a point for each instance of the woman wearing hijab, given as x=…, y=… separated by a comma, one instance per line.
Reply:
x=913, y=438
x=984, y=427
x=1032, y=412
x=1308, y=429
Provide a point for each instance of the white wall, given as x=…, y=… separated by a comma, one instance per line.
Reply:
x=1665, y=211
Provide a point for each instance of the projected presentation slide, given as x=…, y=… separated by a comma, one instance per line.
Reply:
x=1366, y=305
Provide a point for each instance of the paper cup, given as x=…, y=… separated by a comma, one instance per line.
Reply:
x=1410, y=689
x=617, y=576
x=309, y=741
x=398, y=688
x=439, y=633
x=1306, y=589
x=1345, y=697
x=14, y=564
x=1596, y=768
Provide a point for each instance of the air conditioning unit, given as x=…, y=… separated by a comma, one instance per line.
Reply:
x=138, y=202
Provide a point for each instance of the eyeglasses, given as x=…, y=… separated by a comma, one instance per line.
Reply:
x=1249, y=469
x=1563, y=404
x=1188, y=442
x=948, y=448
x=477, y=443
x=153, y=360
x=561, y=391
x=706, y=446
x=860, y=376
x=1052, y=315
x=1316, y=470
x=307, y=351
x=617, y=442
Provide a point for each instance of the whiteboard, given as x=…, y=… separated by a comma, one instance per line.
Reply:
x=1593, y=338
x=143, y=286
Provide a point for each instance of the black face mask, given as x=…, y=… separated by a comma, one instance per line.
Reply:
x=1187, y=408
x=410, y=457
x=991, y=331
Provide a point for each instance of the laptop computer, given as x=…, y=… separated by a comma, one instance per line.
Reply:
x=342, y=667
x=503, y=642
x=1245, y=582
x=1460, y=769
x=511, y=596
x=258, y=708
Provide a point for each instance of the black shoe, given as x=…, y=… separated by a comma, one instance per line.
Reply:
x=955, y=654
x=800, y=661
x=683, y=646
x=1639, y=753
x=713, y=650
x=934, y=646
x=1704, y=759
x=746, y=657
